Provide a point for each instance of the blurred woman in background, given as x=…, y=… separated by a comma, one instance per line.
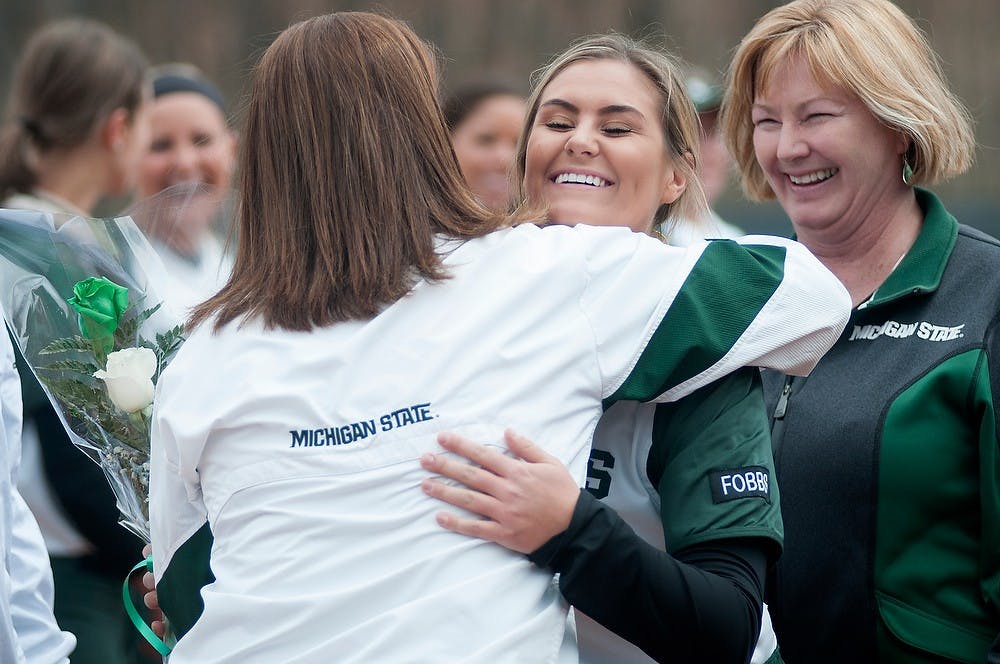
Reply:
x=714, y=165
x=77, y=125
x=77, y=119
x=184, y=183
x=485, y=120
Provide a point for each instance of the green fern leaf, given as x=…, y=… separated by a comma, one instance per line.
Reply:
x=76, y=343
x=76, y=366
x=125, y=334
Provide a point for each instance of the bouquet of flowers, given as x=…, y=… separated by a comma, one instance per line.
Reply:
x=81, y=305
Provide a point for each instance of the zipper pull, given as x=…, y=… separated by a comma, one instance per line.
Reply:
x=779, y=410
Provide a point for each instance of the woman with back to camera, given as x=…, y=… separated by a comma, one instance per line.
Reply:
x=185, y=180
x=887, y=454
x=611, y=108
x=485, y=120
x=373, y=303
x=76, y=128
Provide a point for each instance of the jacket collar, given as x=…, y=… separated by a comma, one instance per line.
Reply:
x=921, y=269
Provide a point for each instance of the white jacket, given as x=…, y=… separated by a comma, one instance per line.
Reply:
x=28, y=630
x=300, y=450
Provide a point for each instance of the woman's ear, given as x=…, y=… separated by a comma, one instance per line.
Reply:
x=114, y=130
x=673, y=186
x=904, y=143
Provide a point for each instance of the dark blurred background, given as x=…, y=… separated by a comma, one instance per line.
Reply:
x=511, y=38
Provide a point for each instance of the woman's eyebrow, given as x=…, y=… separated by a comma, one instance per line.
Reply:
x=604, y=110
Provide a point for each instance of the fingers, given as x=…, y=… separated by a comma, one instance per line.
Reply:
x=489, y=458
x=524, y=502
x=473, y=501
x=460, y=471
x=150, y=598
x=483, y=529
x=525, y=449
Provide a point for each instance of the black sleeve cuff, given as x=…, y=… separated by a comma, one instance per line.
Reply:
x=703, y=604
x=553, y=554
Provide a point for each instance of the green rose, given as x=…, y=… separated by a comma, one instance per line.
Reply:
x=100, y=304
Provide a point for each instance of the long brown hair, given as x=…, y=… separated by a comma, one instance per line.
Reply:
x=72, y=75
x=346, y=176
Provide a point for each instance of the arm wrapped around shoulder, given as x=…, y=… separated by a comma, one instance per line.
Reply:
x=667, y=321
x=806, y=314
x=759, y=301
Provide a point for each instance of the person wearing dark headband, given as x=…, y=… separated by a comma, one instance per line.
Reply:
x=184, y=181
x=168, y=83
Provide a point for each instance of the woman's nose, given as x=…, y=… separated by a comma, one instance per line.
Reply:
x=583, y=141
x=791, y=143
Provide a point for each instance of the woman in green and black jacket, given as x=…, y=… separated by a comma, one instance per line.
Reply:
x=887, y=454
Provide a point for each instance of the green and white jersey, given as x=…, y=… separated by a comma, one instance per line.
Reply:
x=684, y=473
x=290, y=460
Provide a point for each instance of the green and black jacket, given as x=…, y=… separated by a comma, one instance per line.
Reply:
x=889, y=467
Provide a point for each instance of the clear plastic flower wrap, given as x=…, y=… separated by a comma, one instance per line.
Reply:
x=82, y=305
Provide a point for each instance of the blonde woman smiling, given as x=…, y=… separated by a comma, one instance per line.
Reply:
x=662, y=555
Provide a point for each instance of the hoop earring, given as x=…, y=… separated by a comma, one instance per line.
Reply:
x=907, y=172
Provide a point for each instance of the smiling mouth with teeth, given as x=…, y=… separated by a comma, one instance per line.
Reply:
x=577, y=178
x=811, y=178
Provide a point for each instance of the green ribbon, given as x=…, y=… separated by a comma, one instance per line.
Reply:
x=136, y=617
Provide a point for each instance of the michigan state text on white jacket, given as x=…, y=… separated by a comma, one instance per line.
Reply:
x=291, y=458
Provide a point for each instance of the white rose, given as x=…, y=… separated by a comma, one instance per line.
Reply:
x=129, y=378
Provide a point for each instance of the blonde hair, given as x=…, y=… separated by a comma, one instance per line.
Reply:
x=678, y=117
x=868, y=47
